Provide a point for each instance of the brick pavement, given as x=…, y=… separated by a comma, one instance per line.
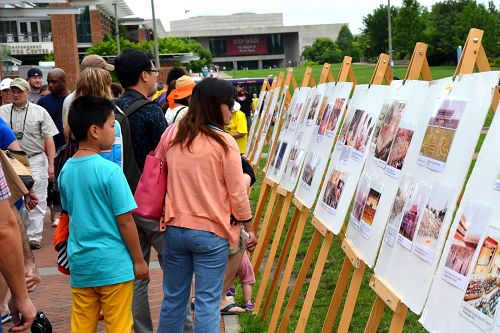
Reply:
x=53, y=295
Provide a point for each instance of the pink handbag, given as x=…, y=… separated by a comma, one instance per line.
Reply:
x=152, y=186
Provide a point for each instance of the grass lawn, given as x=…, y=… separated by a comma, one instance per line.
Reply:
x=250, y=323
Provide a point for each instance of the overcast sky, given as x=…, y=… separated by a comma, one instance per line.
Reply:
x=295, y=12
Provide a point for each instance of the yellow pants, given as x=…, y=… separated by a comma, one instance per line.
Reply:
x=115, y=302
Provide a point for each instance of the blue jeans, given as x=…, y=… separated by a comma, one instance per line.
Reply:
x=187, y=251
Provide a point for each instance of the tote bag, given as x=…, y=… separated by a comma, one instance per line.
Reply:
x=152, y=186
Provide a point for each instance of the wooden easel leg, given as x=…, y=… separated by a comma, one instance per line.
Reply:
x=272, y=254
x=314, y=283
x=398, y=319
x=288, y=271
x=352, y=295
x=340, y=288
x=375, y=316
x=281, y=262
x=304, y=269
x=264, y=194
x=270, y=209
x=265, y=235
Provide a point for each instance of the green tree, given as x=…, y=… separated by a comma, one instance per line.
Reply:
x=347, y=43
x=323, y=50
x=376, y=31
x=449, y=25
x=408, y=28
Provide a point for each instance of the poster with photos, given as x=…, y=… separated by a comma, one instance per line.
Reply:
x=321, y=145
x=305, y=131
x=343, y=173
x=409, y=94
x=268, y=114
x=440, y=133
x=404, y=271
x=386, y=130
x=280, y=152
x=264, y=99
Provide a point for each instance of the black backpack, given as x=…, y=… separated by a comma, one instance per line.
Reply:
x=130, y=168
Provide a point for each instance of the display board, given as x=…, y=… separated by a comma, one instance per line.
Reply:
x=400, y=118
x=264, y=98
x=267, y=120
x=422, y=211
x=464, y=296
x=316, y=102
x=349, y=155
x=319, y=149
x=279, y=155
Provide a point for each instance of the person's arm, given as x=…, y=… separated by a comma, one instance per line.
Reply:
x=51, y=153
x=14, y=145
x=12, y=268
x=128, y=231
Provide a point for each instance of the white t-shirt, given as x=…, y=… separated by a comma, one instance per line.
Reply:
x=170, y=114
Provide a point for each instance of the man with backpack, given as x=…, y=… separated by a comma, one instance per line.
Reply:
x=146, y=122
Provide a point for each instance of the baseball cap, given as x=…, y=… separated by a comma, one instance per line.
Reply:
x=20, y=83
x=34, y=72
x=96, y=61
x=5, y=84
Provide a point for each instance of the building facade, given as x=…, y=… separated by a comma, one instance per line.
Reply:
x=248, y=40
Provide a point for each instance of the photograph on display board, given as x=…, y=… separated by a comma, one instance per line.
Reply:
x=412, y=213
x=399, y=149
x=312, y=161
x=321, y=113
x=312, y=109
x=279, y=158
x=333, y=191
x=363, y=133
x=350, y=127
x=323, y=119
x=360, y=197
x=273, y=153
x=378, y=126
x=295, y=164
x=406, y=185
x=481, y=298
x=388, y=129
x=334, y=117
x=370, y=208
x=430, y=227
x=440, y=133
x=473, y=222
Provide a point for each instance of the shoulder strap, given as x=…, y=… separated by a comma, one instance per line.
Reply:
x=177, y=113
x=136, y=106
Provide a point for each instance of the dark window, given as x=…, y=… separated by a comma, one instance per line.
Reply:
x=275, y=44
x=218, y=47
x=83, y=33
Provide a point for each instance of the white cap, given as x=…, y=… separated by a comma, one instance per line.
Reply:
x=5, y=84
x=236, y=106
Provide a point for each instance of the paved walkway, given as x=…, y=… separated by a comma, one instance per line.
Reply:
x=53, y=295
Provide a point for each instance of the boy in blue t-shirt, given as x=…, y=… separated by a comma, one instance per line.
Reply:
x=103, y=246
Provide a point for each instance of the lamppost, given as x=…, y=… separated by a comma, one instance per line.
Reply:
x=117, y=29
x=157, y=53
x=389, y=31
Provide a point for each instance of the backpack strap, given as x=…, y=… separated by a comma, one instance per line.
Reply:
x=136, y=106
x=177, y=113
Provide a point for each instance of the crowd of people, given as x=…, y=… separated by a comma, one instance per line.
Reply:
x=106, y=131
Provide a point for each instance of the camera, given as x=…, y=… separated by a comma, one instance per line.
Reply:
x=19, y=135
x=41, y=324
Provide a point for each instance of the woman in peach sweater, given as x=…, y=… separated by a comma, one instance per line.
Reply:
x=204, y=187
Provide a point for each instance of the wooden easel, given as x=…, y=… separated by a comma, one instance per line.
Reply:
x=262, y=119
x=472, y=55
x=382, y=71
x=296, y=226
x=275, y=191
x=268, y=184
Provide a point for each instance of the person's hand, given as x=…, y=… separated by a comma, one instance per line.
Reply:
x=251, y=242
x=32, y=278
x=51, y=173
x=141, y=270
x=23, y=313
x=30, y=200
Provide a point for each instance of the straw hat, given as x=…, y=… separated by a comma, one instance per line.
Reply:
x=183, y=88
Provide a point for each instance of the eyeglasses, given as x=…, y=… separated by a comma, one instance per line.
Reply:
x=157, y=72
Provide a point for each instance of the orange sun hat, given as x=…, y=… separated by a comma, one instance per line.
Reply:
x=183, y=88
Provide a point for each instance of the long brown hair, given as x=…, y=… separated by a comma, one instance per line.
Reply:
x=205, y=111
